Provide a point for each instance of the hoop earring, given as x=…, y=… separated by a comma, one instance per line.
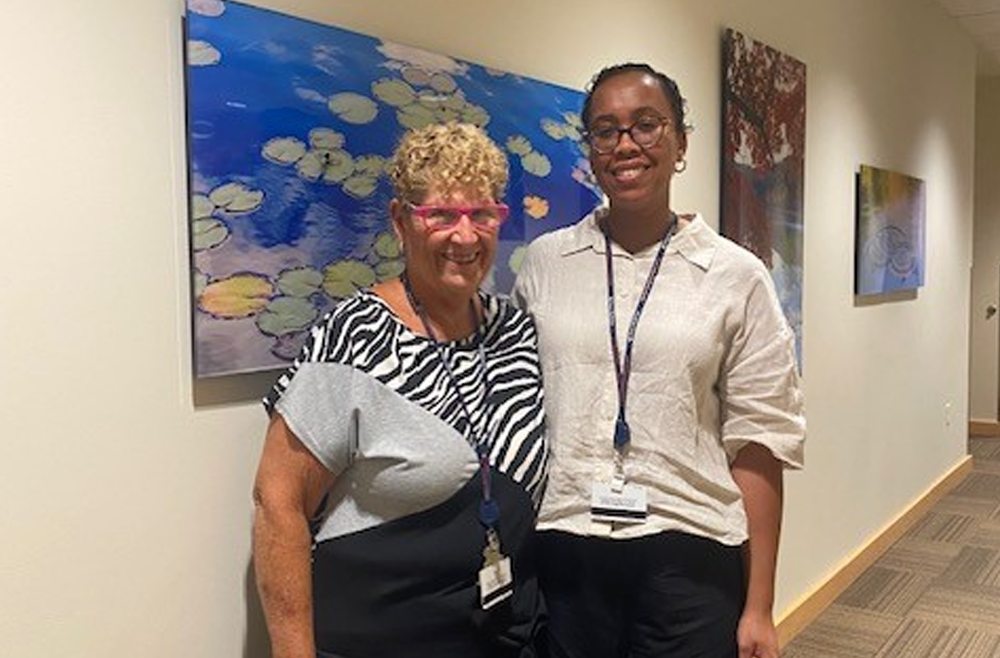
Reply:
x=680, y=166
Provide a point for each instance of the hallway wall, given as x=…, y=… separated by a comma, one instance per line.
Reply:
x=984, y=356
x=125, y=485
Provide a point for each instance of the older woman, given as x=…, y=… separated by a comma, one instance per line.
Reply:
x=405, y=456
x=673, y=401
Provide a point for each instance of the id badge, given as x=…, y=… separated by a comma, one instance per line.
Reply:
x=495, y=582
x=624, y=504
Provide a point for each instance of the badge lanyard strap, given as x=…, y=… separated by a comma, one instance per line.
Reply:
x=489, y=511
x=623, y=370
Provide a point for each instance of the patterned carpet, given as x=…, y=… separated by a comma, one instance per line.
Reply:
x=935, y=593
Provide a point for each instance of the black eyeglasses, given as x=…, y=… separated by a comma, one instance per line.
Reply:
x=645, y=133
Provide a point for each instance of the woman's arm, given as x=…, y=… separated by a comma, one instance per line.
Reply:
x=289, y=486
x=759, y=476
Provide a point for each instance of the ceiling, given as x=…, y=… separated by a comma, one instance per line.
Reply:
x=981, y=19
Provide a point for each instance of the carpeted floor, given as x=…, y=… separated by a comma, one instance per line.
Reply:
x=935, y=593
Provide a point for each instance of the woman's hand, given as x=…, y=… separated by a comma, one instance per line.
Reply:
x=756, y=635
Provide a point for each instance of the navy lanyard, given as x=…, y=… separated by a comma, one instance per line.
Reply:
x=489, y=511
x=624, y=370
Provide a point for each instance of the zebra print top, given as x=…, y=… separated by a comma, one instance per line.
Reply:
x=370, y=395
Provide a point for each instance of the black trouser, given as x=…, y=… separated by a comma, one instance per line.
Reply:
x=667, y=595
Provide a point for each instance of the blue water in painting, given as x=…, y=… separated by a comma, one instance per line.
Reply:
x=269, y=76
x=251, y=97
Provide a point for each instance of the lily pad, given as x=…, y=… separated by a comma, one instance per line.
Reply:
x=285, y=315
x=344, y=278
x=238, y=296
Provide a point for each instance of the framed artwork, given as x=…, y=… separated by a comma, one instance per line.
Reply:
x=290, y=125
x=763, y=162
x=889, y=253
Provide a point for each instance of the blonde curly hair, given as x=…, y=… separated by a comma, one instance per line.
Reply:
x=447, y=157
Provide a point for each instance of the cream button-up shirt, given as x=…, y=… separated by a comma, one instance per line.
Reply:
x=713, y=368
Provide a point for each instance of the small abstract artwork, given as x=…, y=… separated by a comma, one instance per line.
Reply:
x=891, y=210
x=763, y=162
x=290, y=126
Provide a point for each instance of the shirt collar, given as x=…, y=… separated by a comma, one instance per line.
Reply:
x=696, y=241
x=585, y=234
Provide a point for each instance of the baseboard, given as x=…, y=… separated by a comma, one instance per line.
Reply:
x=984, y=428
x=811, y=605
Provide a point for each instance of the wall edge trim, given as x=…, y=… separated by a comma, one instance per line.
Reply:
x=808, y=608
x=984, y=428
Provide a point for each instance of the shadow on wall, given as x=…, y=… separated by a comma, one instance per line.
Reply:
x=233, y=389
x=257, y=643
x=884, y=298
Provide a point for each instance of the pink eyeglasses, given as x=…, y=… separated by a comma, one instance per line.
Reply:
x=486, y=217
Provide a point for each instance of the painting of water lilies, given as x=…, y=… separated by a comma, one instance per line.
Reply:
x=290, y=125
x=889, y=254
x=763, y=163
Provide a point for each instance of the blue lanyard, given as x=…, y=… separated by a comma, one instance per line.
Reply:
x=489, y=511
x=623, y=434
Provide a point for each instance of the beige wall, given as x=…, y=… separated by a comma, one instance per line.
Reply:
x=124, y=486
x=984, y=360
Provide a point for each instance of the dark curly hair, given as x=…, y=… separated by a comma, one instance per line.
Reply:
x=667, y=84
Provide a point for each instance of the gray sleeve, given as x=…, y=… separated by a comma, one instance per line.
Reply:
x=319, y=407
